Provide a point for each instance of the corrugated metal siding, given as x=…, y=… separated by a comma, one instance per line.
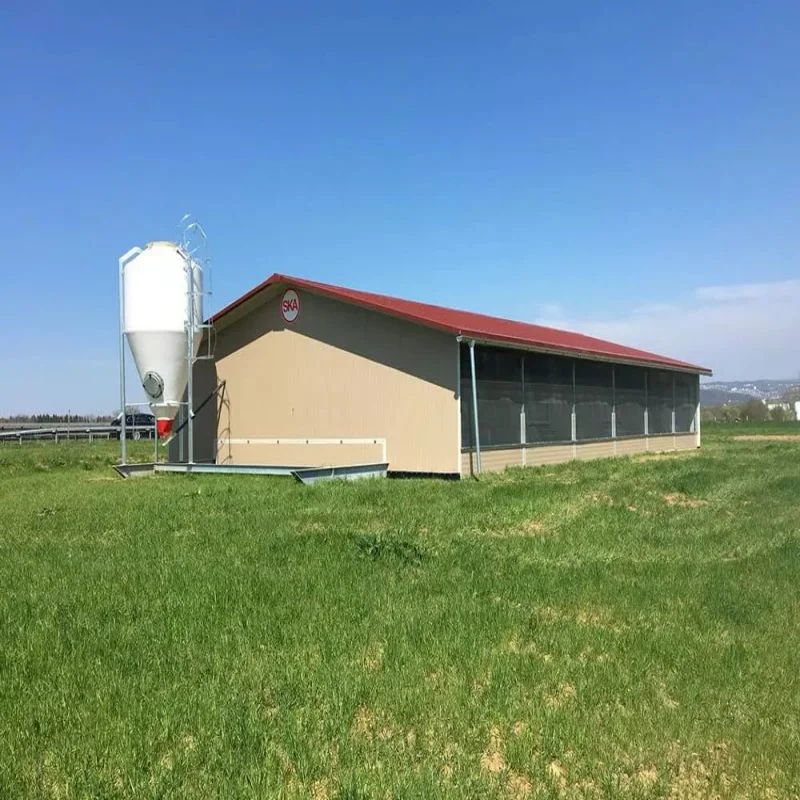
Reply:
x=338, y=371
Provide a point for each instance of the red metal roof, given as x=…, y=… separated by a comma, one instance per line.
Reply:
x=474, y=326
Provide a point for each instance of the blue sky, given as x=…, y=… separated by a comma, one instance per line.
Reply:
x=629, y=169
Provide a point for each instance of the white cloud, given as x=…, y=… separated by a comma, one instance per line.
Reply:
x=748, y=292
x=740, y=331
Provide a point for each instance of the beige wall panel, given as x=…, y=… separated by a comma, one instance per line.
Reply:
x=340, y=371
x=556, y=454
x=300, y=455
x=589, y=450
x=630, y=447
x=491, y=461
x=548, y=454
x=661, y=444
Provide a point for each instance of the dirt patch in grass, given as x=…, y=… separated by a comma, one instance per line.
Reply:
x=665, y=698
x=598, y=617
x=702, y=774
x=319, y=790
x=531, y=527
x=373, y=658
x=371, y=724
x=692, y=781
x=644, y=778
x=564, y=694
x=492, y=760
x=518, y=786
x=517, y=647
x=647, y=776
x=683, y=500
x=558, y=772
x=657, y=456
x=601, y=498
x=588, y=655
x=435, y=677
x=564, y=480
x=767, y=437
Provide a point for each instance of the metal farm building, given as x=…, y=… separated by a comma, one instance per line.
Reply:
x=312, y=374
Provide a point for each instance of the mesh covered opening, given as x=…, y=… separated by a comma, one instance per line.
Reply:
x=659, y=401
x=630, y=398
x=526, y=397
x=594, y=399
x=686, y=391
x=548, y=398
x=499, y=384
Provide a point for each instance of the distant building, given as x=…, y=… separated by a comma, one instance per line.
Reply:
x=785, y=406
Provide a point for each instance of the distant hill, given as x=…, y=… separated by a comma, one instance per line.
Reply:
x=718, y=393
x=722, y=397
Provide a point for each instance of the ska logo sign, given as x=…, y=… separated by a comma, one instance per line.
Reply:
x=290, y=305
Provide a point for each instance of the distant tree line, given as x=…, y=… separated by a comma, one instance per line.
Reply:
x=56, y=418
x=751, y=411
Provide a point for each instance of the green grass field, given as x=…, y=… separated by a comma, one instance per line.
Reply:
x=622, y=628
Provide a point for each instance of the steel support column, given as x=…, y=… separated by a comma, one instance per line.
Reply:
x=475, y=404
x=190, y=288
x=673, y=403
x=523, y=418
x=697, y=412
x=459, y=434
x=574, y=417
x=122, y=426
x=134, y=251
x=613, y=402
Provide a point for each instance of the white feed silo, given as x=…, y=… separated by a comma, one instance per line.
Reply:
x=162, y=291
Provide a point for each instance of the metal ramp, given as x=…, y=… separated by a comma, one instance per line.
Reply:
x=306, y=475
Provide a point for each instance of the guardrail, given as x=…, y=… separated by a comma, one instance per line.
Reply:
x=66, y=432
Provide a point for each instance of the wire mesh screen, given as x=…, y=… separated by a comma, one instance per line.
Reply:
x=467, y=423
x=510, y=382
x=548, y=398
x=630, y=399
x=594, y=399
x=499, y=385
x=686, y=389
x=659, y=401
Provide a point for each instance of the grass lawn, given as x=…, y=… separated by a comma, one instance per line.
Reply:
x=620, y=628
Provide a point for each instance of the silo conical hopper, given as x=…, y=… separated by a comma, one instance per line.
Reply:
x=163, y=290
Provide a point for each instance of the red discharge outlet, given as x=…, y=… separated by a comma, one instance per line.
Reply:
x=164, y=427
